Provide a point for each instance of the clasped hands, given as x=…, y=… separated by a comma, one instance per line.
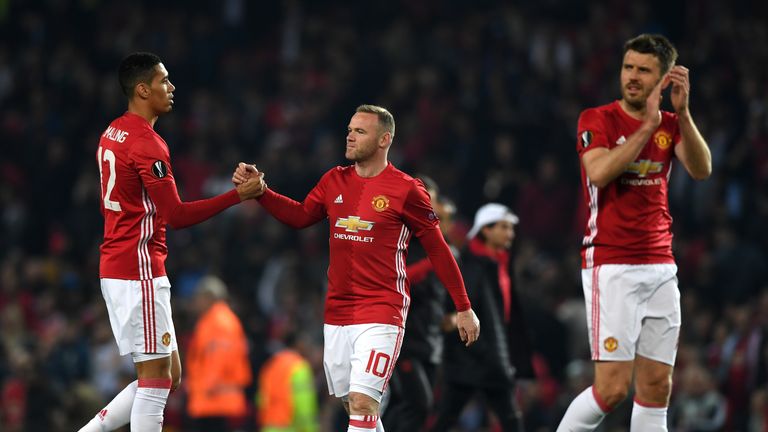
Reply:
x=248, y=181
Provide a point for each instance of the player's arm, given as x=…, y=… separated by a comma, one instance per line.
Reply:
x=421, y=219
x=180, y=214
x=448, y=273
x=603, y=165
x=292, y=213
x=692, y=150
x=152, y=161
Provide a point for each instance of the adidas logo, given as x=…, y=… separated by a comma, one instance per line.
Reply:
x=338, y=200
x=102, y=414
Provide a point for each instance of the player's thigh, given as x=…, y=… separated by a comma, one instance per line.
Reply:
x=375, y=349
x=337, y=355
x=612, y=296
x=140, y=315
x=662, y=320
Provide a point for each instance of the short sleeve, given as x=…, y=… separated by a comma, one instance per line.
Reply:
x=591, y=131
x=152, y=161
x=417, y=210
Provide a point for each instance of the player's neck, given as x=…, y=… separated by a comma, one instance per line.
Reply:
x=148, y=115
x=631, y=110
x=371, y=167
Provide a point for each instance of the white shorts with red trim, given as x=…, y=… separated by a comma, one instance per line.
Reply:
x=140, y=315
x=632, y=309
x=360, y=358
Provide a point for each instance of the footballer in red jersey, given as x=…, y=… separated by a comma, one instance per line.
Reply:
x=138, y=199
x=629, y=275
x=374, y=209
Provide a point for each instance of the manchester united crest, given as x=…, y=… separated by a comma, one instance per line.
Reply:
x=380, y=203
x=610, y=344
x=166, y=339
x=662, y=139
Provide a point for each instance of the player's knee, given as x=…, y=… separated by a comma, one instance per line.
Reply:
x=362, y=404
x=655, y=389
x=613, y=393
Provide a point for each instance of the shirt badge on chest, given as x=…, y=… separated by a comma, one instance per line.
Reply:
x=380, y=203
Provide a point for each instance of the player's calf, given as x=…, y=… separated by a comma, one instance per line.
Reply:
x=362, y=404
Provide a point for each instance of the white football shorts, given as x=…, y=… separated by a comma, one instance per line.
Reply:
x=632, y=309
x=140, y=315
x=360, y=358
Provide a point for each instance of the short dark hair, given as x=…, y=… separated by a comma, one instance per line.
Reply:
x=135, y=68
x=655, y=44
x=386, y=120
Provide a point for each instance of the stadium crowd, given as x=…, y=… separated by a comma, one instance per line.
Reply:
x=486, y=95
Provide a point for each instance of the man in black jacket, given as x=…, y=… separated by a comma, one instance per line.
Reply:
x=490, y=366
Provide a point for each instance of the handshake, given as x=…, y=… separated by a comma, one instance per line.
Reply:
x=248, y=181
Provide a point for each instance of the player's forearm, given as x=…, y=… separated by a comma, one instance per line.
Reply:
x=286, y=210
x=180, y=214
x=698, y=158
x=445, y=267
x=604, y=167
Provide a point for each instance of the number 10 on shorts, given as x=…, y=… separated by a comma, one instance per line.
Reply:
x=374, y=364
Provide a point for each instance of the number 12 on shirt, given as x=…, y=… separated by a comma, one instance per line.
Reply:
x=109, y=157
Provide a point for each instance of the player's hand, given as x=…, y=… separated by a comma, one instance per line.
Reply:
x=253, y=187
x=653, y=103
x=681, y=88
x=469, y=326
x=243, y=172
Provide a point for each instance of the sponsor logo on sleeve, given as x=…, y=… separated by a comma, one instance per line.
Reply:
x=586, y=138
x=159, y=169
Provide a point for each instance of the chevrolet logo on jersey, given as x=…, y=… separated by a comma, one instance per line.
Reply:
x=353, y=224
x=644, y=167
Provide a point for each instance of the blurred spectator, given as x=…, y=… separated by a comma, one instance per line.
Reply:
x=698, y=406
x=217, y=366
x=490, y=366
x=287, y=399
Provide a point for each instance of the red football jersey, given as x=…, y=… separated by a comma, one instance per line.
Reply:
x=132, y=156
x=628, y=220
x=371, y=223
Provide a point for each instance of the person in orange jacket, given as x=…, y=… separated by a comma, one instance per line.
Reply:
x=218, y=369
x=287, y=399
